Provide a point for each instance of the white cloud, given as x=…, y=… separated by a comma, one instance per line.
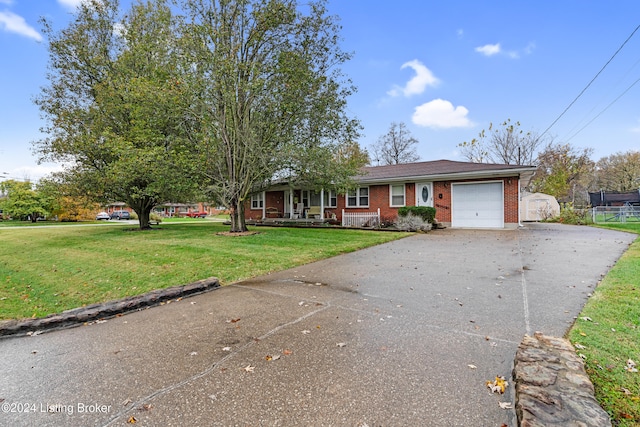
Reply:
x=6, y=1
x=13, y=23
x=489, y=49
x=495, y=49
x=441, y=114
x=423, y=78
x=460, y=33
x=70, y=4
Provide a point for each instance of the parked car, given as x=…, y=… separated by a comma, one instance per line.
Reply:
x=120, y=215
x=102, y=215
x=196, y=214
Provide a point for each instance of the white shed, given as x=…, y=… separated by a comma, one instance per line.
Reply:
x=538, y=207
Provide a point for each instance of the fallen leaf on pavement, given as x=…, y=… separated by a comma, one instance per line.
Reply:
x=341, y=344
x=306, y=331
x=498, y=385
x=226, y=348
x=505, y=405
x=249, y=368
x=473, y=366
x=287, y=352
x=132, y=420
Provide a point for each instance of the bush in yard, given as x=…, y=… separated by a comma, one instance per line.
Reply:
x=154, y=217
x=411, y=222
x=570, y=215
x=427, y=213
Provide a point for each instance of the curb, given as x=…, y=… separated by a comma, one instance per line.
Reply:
x=552, y=387
x=93, y=312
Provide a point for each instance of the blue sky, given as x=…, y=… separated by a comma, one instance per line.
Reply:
x=445, y=68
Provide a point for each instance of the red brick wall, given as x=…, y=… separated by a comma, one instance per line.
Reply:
x=379, y=198
x=511, y=199
x=442, y=205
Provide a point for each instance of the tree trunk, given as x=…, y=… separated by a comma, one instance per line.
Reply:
x=142, y=207
x=143, y=219
x=238, y=224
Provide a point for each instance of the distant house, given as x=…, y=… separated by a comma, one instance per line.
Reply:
x=614, y=198
x=465, y=195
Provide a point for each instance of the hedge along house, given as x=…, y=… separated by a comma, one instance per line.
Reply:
x=465, y=195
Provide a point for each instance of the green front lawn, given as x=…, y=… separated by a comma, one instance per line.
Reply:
x=609, y=330
x=48, y=270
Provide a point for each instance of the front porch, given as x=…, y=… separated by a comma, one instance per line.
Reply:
x=292, y=204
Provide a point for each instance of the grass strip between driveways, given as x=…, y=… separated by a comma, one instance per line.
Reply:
x=607, y=336
x=49, y=270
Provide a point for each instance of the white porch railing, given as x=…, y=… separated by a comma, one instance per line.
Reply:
x=361, y=219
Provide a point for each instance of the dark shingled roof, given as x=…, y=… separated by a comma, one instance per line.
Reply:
x=607, y=198
x=437, y=168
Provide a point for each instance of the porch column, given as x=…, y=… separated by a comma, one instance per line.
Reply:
x=322, y=204
x=291, y=207
x=264, y=204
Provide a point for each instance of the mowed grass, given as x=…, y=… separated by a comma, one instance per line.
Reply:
x=609, y=329
x=49, y=270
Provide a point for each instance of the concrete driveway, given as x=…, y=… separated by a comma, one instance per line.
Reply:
x=405, y=333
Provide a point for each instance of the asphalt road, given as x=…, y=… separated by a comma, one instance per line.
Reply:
x=404, y=333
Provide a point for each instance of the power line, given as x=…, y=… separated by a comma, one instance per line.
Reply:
x=592, y=80
x=605, y=109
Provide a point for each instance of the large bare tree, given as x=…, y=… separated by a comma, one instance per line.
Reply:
x=506, y=144
x=396, y=146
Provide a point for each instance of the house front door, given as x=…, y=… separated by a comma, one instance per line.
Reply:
x=424, y=194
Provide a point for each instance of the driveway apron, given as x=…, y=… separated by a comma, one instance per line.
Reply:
x=404, y=333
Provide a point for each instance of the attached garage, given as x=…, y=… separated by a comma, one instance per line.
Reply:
x=477, y=205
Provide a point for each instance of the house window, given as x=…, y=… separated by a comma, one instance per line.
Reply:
x=312, y=198
x=330, y=199
x=396, y=195
x=358, y=198
x=257, y=201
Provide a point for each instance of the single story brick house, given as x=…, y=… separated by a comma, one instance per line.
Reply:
x=465, y=195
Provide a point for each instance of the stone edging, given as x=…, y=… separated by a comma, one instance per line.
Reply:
x=93, y=312
x=552, y=387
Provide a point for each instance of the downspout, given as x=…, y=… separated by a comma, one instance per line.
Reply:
x=519, y=201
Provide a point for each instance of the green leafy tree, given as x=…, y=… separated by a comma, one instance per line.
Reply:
x=563, y=172
x=618, y=172
x=507, y=144
x=113, y=106
x=22, y=201
x=267, y=95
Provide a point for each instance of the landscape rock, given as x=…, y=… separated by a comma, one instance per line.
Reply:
x=552, y=387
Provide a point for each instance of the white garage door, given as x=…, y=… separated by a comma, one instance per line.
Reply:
x=477, y=205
